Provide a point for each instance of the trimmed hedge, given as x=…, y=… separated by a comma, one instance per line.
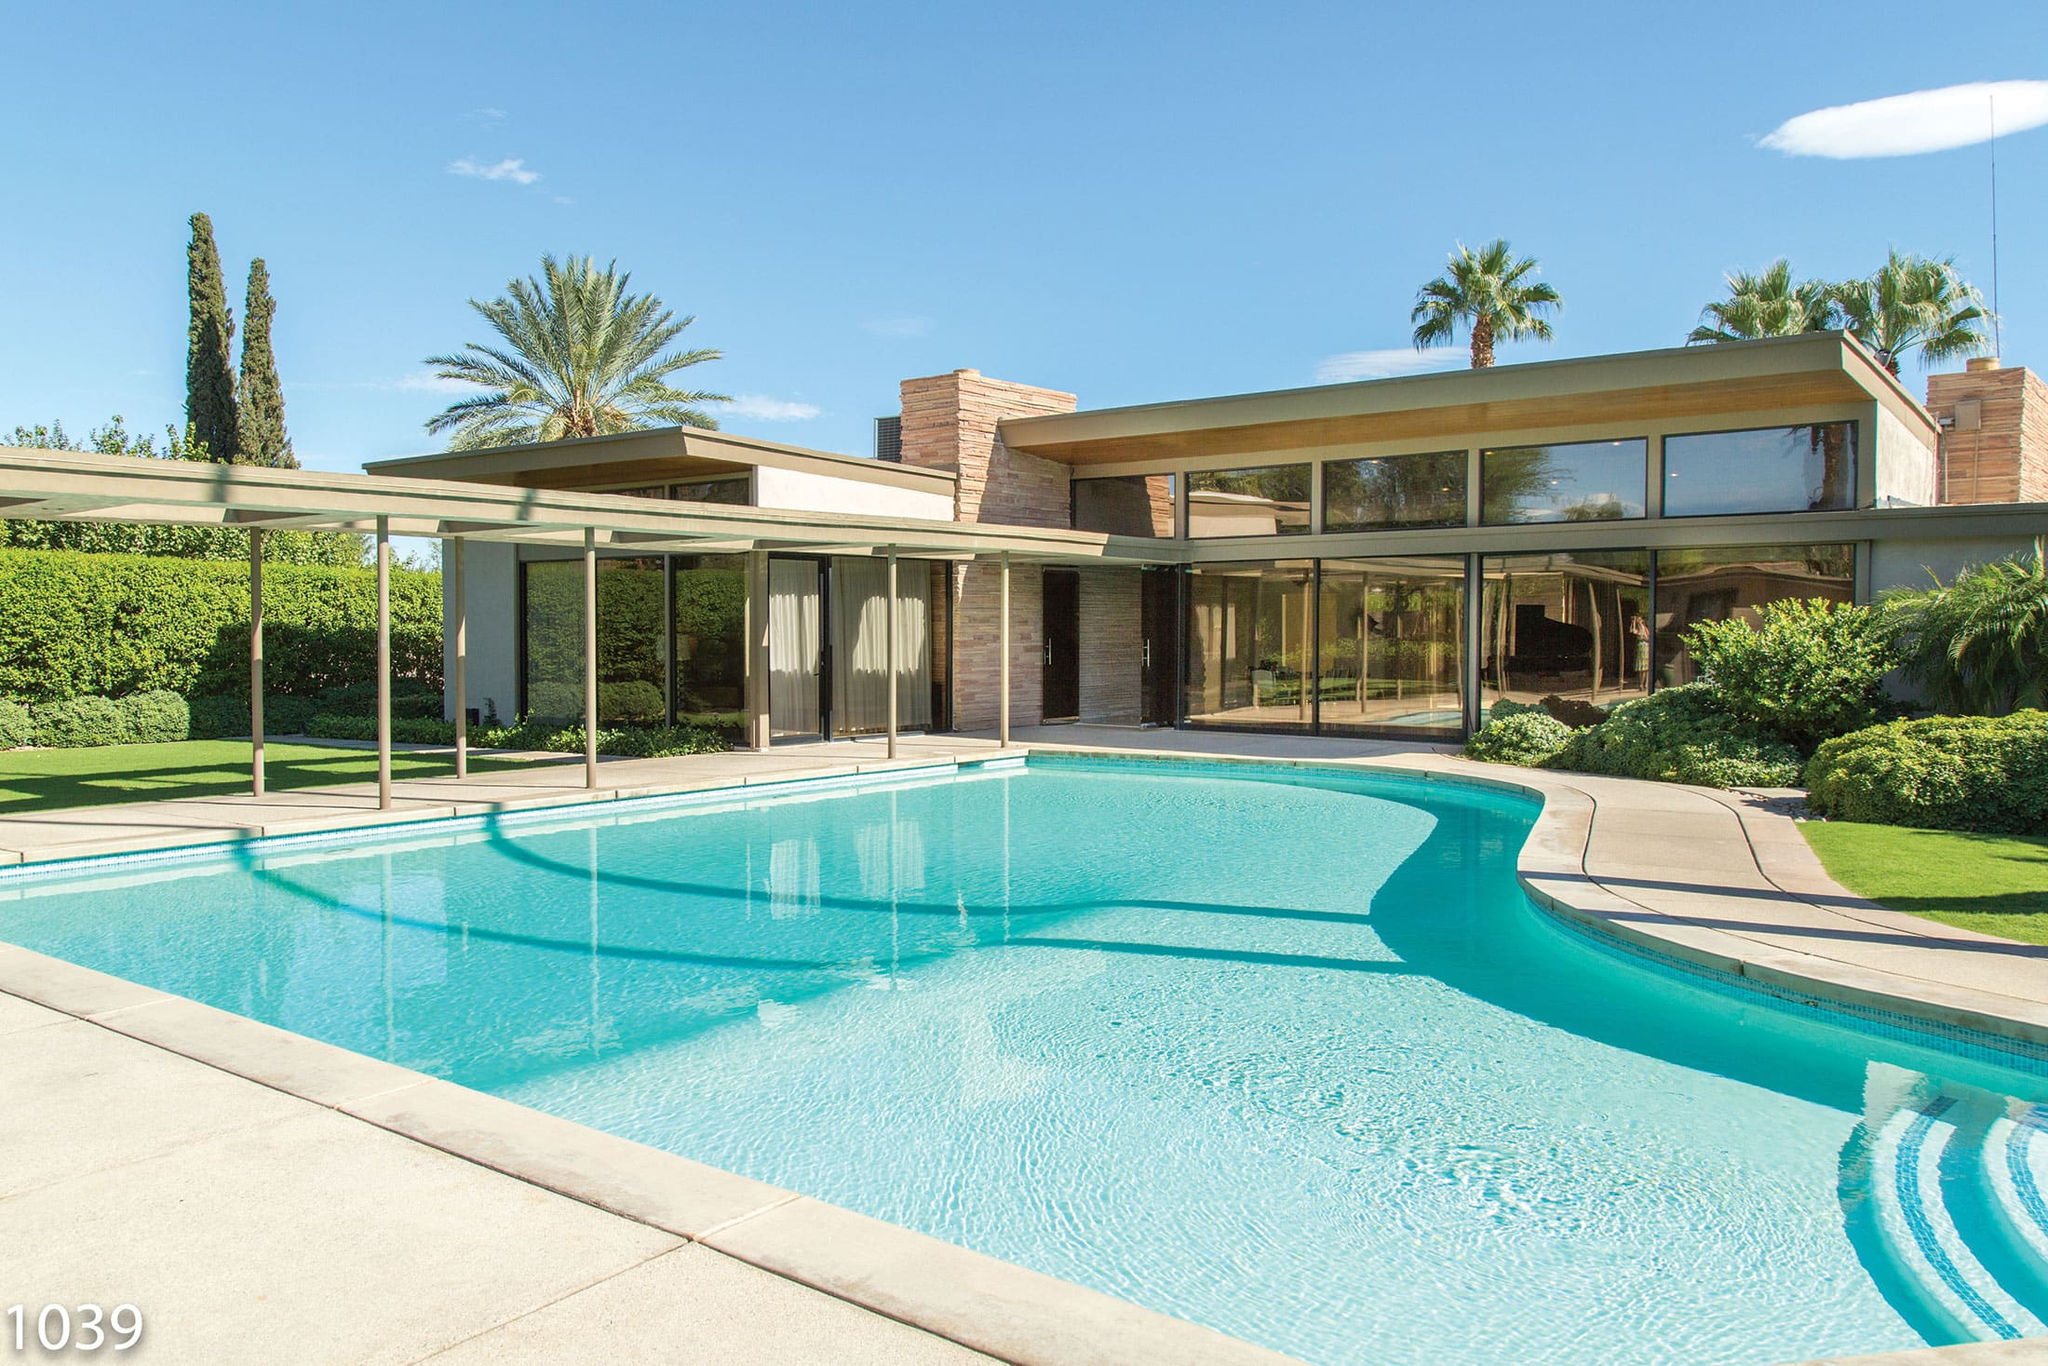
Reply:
x=636, y=742
x=155, y=718
x=74, y=624
x=79, y=722
x=1979, y=773
x=1681, y=735
x=15, y=725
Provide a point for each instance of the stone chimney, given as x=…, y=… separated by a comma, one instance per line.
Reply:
x=949, y=423
x=1994, y=434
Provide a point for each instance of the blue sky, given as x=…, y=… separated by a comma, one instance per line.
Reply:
x=1134, y=202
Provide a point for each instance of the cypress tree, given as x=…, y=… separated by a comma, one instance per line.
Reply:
x=209, y=372
x=260, y=414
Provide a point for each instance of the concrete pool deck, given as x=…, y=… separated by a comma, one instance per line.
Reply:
x=258, y=1193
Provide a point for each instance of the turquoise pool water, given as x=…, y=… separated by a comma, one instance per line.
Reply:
x=1293, y=1058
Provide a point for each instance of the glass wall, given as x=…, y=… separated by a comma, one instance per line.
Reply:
x=1394, y=490
x=1247, y=649
x=796, y=647
x=1725, y=582
x=737, y=489
x=632, y=640
x=1272, y=500
x=1391, y=644
x=1125, y=505
x=1771, y=469
x=1569, y=627
x=551, y=685
x=860, y=645
x=1586, y=481
x=708, y=594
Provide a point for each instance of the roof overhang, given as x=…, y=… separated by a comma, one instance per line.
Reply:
x=653, y=456
x=1813, y=370
x=76, y=486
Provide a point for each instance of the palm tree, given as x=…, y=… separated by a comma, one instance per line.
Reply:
x=1491, y=293
x=1979, y=645
x=1768, y=305
x=1914, y=302
x=579, y=357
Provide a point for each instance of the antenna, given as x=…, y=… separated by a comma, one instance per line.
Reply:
x=1997, y=344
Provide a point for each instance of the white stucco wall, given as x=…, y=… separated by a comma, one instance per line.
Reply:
x=798, y=491
x=491, y=573
x=1906, y=471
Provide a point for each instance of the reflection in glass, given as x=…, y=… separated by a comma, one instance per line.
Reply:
x=1394, y=490
x=1585, y=481
x=1724, y=582
x=1248, y=628
x=551, y=617
x=1267, y=501
x=710, y=607
x=1392, y=644
x=1567, y=626
x=1772, y=469
x=1125, y=505
x=735, y=489
x=632, y=642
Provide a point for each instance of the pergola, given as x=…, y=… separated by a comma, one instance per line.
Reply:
x=73, y=486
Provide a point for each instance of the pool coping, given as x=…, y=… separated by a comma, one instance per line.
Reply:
x=976, y=1301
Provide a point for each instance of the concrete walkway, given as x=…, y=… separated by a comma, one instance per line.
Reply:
x=261, y=1195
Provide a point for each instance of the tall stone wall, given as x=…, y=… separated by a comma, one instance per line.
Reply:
x=950, y=423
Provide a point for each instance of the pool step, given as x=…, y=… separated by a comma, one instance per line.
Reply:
x=1952, y=1180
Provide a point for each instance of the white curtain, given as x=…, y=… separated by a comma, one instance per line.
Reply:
x=860, y=649
x=793, y=640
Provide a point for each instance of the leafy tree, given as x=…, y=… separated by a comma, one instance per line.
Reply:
x=1979, y=645
x=209, y=372
x=260, y=415
x=1805, y=670
x=577, y=356
x=188, y=542
x=1491, y=293
x=1914, y=303
x=1772, y=304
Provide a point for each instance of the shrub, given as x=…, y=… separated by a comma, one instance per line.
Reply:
x=216, y=717
x=1979, y=644
x=635, y=742
x=556, y=701
x=73, y=624
x=1805, y=670
x=1526, y=737
x=157, y=717
x=15, y=726
x=405, y=730
x=1681, y=735
x=630, y=700
x=1941, y=773
x=77, y=722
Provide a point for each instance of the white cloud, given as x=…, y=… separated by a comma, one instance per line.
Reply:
x=511, y=168
x=1401, y=360
x=427, y=382
x=487, y=114
x=761, y=408
x=1923, y=121
x=897, y=327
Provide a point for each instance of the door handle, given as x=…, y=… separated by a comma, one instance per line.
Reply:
x=1048, y=652
x=1148, y=654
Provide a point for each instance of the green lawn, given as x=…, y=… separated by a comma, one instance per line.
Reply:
x=1994, y=884
x=51, y=779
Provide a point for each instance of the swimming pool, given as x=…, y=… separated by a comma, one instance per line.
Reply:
x=1285, y=1052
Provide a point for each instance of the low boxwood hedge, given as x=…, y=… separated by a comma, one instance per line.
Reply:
x=15, y=725
x=1985, y=773
x=156, y=717
x=79, y=722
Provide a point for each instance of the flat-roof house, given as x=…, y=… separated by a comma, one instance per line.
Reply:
x=1389, y=557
